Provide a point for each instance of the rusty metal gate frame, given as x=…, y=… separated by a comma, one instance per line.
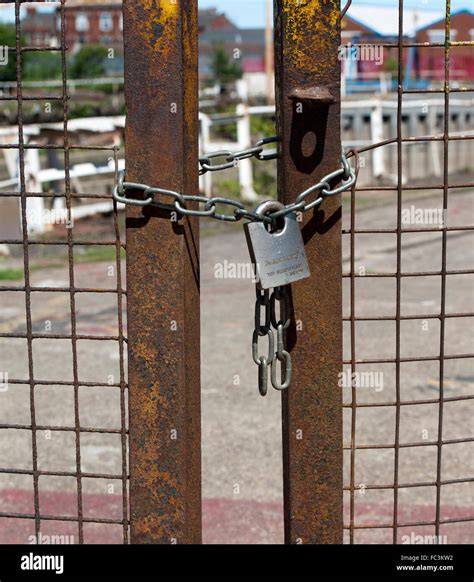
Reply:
x=163, y=274
x=164, y=503
x=161, y=429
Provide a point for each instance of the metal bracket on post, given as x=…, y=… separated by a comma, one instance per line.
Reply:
x=313, y=96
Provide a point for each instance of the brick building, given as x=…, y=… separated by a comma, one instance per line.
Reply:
x=375, y=25
x=94, y=22
x=355, y=32
x=97, y=22
x=100, y=22
x=39, y=28
x=430, y=61
x=246, y=43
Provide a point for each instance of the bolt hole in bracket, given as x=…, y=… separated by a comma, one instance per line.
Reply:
x=308, y=128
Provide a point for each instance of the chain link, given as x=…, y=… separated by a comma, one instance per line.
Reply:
x=258, y=151
x=280, y=295
x=208, y=206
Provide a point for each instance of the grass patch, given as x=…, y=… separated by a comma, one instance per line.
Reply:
x=98, y=255
x=11, y=274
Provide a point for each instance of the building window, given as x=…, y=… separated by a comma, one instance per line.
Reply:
x=349, y=34
x=438, y=36
x=82, y=22
x=106, y=23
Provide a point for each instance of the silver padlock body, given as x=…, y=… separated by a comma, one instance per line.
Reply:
x=279, y=258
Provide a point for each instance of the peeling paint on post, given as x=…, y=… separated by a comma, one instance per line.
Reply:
x=307, y=39
x=161, y=94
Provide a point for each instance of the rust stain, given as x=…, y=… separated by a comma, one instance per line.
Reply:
x=158, y=24
x=304, y=26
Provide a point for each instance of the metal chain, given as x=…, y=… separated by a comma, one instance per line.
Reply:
x=280, y=295
x=233, y=158
x=263, y=362
x=302, y=203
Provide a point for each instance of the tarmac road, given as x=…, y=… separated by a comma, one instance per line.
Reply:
x=242, y=468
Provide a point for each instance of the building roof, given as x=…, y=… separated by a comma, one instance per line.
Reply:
x=40, y=20
x=207, y=16
x=441, y=21
x=211, y=19
x=237, y=37
x=348, y=23
x=384, y=20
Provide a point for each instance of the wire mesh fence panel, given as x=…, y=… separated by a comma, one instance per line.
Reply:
x=407, y=378
x=63, y=411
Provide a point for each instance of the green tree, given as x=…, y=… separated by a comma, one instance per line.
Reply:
x=89, y=62
x=8, y=61
x=224, y=68
x=43, y=66
x=391, y=65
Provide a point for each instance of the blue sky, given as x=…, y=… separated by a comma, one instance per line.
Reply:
x=251, y=13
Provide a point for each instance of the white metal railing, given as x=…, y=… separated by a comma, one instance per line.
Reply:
x=365, y=122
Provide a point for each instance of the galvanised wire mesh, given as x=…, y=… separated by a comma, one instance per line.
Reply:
x=63, y=425
x=408, y=384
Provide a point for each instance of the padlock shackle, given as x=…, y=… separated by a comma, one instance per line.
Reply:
x=269, y=206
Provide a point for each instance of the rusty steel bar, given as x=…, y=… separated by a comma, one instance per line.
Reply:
x=308, y=113
x=444, y=251
x=163, y=273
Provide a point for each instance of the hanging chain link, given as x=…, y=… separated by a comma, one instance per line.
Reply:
x=263, y=362
x=208, y=208
x=281, y=296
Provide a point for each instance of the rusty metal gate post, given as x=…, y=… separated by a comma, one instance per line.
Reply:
x=163, y=273
x=307, y=40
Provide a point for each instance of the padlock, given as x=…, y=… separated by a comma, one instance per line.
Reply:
x=279, y=257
